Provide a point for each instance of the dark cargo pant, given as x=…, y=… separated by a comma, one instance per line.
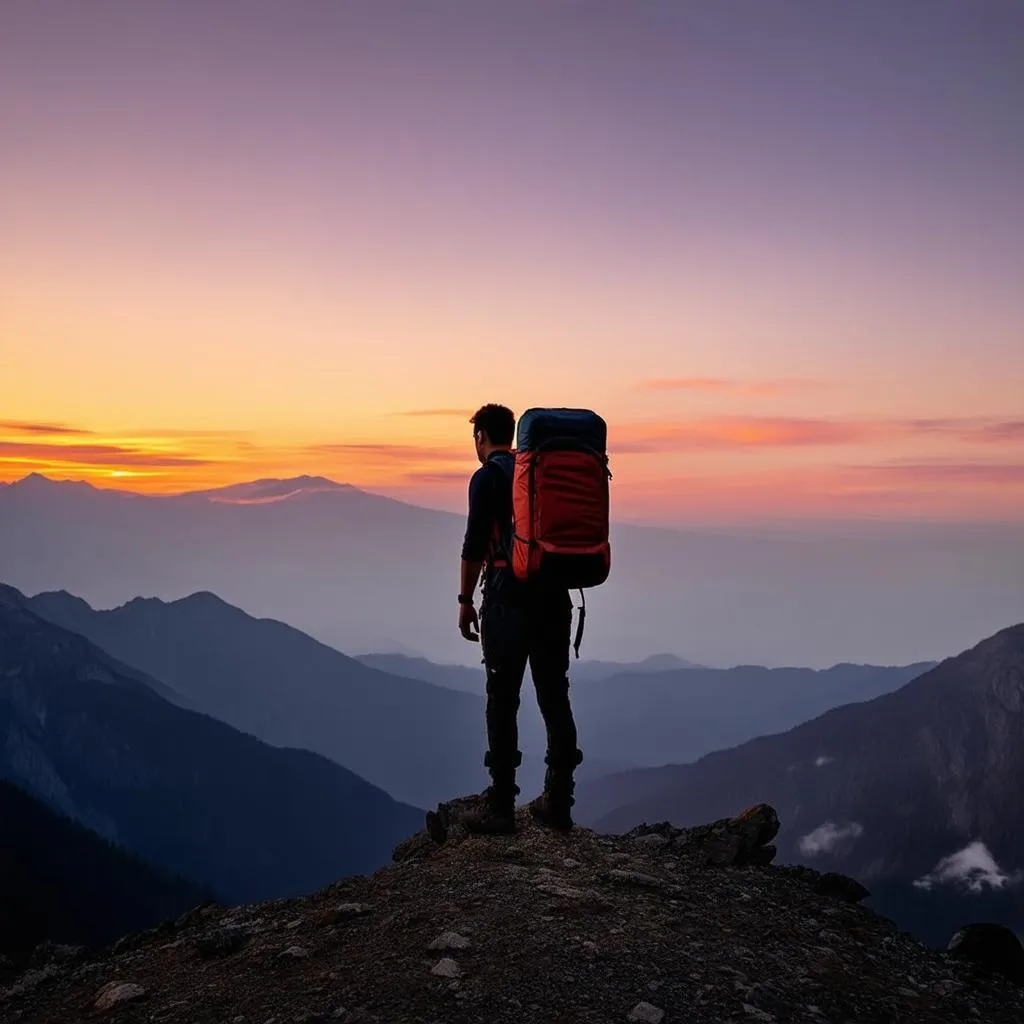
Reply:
x=534, y=628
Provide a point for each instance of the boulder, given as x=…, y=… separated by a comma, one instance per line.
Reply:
x=993, y=947
x=451, y=815
x=647, y=1013
x=744, y=839
x=116, y=993
x=741, y=840
x=446, y=968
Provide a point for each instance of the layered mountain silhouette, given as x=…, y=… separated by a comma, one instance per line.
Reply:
x=472, y=680
x=367, y=573
x=652, y=714
x=62, y=883
x=661, y=717
x=915, y=793
x=95, y=740
x=423, y=741
x=419, y=742
x=451, y=677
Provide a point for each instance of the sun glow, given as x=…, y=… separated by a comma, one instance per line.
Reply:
x=741, y=467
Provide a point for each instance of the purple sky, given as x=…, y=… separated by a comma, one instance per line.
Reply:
x=306, y=216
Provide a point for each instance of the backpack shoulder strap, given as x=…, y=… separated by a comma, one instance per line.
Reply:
x=504, y=464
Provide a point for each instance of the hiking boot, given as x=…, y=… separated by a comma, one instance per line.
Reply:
x=553, y=810
x=554, y=806
x=494, y=813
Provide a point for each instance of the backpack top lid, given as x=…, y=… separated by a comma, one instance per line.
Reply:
x=538, y=427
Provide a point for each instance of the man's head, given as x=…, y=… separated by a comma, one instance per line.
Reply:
x=494, y=426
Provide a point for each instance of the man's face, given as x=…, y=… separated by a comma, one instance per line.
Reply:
x=480, y=442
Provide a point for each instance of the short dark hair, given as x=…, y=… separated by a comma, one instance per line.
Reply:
x=497, y=421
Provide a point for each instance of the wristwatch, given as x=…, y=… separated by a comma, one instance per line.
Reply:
x=465, y=599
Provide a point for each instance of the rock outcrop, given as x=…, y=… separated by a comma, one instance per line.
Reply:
x=992, y=947
x=662, y=924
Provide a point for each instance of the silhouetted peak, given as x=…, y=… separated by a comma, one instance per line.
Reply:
x=60, y=601
x=202, y=602
x=38, y=482
x=144, y=602
x=272, y=489
x=206, y=600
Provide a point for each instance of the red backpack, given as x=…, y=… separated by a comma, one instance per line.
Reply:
x=560, y=500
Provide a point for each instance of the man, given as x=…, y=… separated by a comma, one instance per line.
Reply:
x=518, y=623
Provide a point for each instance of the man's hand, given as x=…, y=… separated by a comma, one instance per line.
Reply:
x=469, y=624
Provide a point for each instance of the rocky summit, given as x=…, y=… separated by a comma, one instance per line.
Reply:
x=659, y=925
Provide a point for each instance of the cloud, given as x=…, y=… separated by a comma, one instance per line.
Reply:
x=974, y=429
x=825, y=837
x=727, y=385
x=725, y=433
x=944, y=473
x=24, y=427
x=832, y=467
x=949, y=492
x=942, y=425
x=972, y=868
x=92, y=455
x=741, y=432
x=1008, y=431
x=823, y=760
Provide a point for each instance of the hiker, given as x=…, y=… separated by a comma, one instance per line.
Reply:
x=524, y=618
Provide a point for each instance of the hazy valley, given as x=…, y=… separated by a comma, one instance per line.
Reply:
x=246, y=758
x=370, y=575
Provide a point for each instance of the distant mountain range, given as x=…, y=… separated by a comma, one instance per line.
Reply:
x=169, y=728
x=657, y=718
x=95, y=740
x=473, y=680
x=651, y=714
x=365, y=573
x=103, y=716
x=61, y=882
x=917, y=793
x=423, y=742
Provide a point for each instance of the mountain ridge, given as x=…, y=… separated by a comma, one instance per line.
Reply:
x=273, y=681
x=248, y=820
x=920, y=788
x=537, y=927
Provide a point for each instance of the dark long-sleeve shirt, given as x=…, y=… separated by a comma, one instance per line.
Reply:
x=490, y=503
x=490, y=518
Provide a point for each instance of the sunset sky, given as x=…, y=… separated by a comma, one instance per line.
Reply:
x=779, y=245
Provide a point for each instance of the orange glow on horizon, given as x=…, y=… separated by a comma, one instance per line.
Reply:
x=268, y=240
x=742, y=468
